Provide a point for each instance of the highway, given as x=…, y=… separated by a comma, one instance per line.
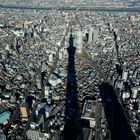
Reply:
x=73, y=8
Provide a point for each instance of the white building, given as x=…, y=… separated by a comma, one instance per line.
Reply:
x=61, y=55
x=78, y=41
x=46, y=91
x=125, y=76
x=90, y=38
x=51, y=57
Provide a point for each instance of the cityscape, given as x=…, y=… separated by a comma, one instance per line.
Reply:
x=70, y=70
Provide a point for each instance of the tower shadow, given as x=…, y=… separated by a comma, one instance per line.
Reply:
x=72, y=128
x=116, y=119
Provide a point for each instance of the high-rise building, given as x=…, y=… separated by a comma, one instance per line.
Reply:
x=60, y=54
x=95, y=35
x=90, y=38
x=78, y=41
x=51, y=57
x=38, y=81
x=46, y=91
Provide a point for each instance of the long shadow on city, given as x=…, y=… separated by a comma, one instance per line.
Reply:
x=72, y=128
x=116, y=119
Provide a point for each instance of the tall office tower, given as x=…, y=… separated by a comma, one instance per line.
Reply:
x=90, y=35
x=95, y=35
x=51, y=57
x=38, y=81
x=78, y=41
x=46, y=91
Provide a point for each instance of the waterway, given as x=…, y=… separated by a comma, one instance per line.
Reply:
x=70, y=8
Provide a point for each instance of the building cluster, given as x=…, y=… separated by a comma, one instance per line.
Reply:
x=29, y=52
x=117, y=58
x=35, y=72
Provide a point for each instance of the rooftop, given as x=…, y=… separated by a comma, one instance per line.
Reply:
x=89, y=109
x=4, y=117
